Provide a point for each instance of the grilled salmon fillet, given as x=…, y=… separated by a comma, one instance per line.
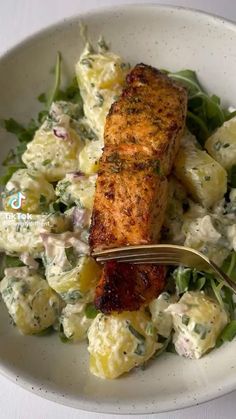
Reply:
x=124, y=286
x=142, y=135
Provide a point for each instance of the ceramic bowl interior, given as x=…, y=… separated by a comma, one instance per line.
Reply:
x=165, y=37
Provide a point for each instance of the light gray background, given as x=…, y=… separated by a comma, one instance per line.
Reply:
x=18, y=19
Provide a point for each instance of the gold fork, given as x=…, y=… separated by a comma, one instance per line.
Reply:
x=164, y=254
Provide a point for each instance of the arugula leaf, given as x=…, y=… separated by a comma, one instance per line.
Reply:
x=24, y=134
x=71, y=94
x=9, y=172
x=227, y=334
x=164, y=347
x=53, y=95
x=182, y=277
x=205, y=113
x=229, y=266
x=62, y=335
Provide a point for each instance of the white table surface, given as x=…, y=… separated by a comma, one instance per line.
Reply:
x=18, y=19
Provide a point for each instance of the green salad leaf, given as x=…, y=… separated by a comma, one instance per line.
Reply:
x=227, y=334
x=7, y=261
x=232, y=176
x=205, y=112
x=187, y=279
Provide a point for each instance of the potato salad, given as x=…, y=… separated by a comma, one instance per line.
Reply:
x=48, y=278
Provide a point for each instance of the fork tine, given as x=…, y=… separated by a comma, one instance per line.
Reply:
x=164, y=259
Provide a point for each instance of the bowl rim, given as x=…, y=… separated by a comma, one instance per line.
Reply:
x=90, y=405
x=45, y=30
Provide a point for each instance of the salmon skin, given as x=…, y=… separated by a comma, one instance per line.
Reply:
x=142, y=136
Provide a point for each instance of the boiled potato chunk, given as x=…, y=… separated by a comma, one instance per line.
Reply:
x=75, y=321
x=222, y=144
x=31, y=303
x=78, y=283
x=101, y=76
x=23, y=233
x=70, y=272
x=78, y=189
x=204, y=178
x=201, y=234
x=120, y=342
x=55, y=147
x=198, y=320
x=37, y=192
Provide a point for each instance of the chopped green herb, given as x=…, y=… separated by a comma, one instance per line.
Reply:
x=141, y=349
x=71, y=297
x=102, y=44
x=62, y=335
x=90, y=311
x=46, y=162
x=136, y=333
x=71, y=256
x=185, y=319
x=218, y=145
x=88, y=62
x=43, y=204
x=164, y=347
x=200, y=329
x=100, y=99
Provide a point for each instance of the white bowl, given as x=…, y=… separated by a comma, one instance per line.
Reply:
x=166, y=37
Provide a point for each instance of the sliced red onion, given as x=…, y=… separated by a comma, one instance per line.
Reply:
x=29, y=260
x=79, y=246
x=60, y=132
x=18, y=273
x=80, y=218
x=78, y=174
x=53, y=243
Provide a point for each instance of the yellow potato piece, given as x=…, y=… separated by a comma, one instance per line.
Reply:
x=198, y=321
x=76, y=284
x=120, y=342
x=203, y=177
x=32, y=304
x=37, y=192
x=101, y=77
x=74, y=321
x=53, y=156
x=222, y=144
